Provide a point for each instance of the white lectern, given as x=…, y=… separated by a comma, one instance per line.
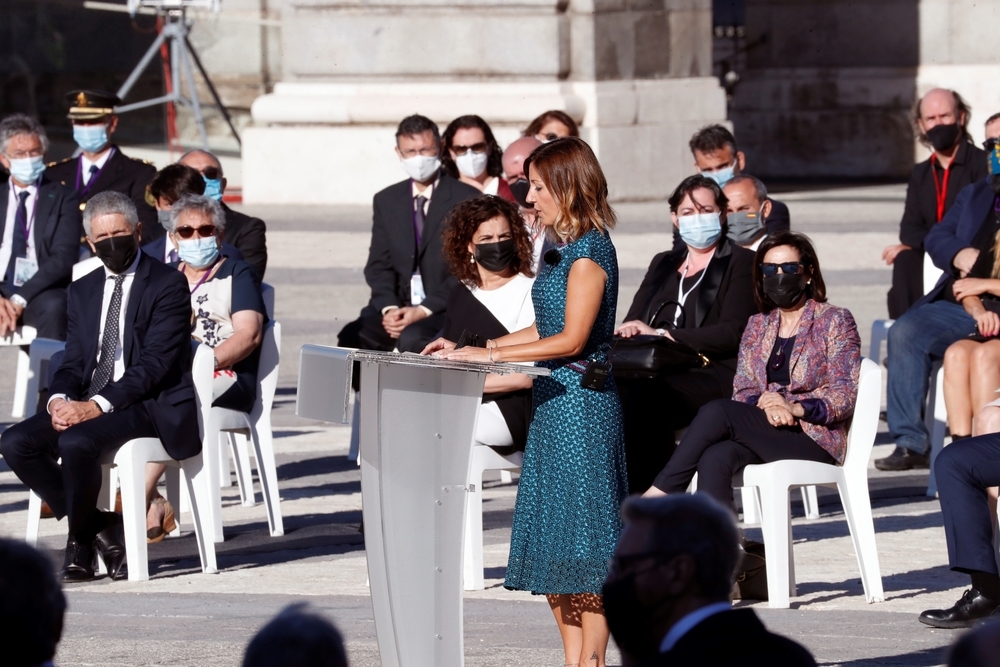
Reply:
x=418, y=419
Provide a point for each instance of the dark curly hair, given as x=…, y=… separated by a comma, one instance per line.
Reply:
x=462, y=223
x=494, y=166
x=815, y=290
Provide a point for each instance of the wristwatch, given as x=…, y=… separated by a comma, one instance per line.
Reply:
x=216, y=360
x=19, y=300
x=661, y=332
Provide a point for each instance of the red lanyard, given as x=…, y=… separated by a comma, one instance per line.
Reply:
x=940, y=190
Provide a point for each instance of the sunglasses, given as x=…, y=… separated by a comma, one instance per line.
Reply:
x=786, y=267
x=212, y=173
x=186, y=232
x=475, y=148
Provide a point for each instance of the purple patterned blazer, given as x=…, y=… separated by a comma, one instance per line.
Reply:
x=824, y=365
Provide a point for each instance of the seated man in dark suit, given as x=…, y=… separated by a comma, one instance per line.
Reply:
x=408, y=276
x=124, y=376
x=246, y=234
x=101, y=164
x=39, y=233
x=667, y=593
x=170, y=184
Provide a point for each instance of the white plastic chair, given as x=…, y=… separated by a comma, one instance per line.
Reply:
x=256, y=425
x=936, y=420
x=773, y=481
x=483, y=458
x=20, y=338
x=82, y=268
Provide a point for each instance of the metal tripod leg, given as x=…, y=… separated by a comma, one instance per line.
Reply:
x=143, y=64
x=211, y=88
x=193, y=93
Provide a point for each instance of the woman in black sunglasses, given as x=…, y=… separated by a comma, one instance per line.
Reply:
x=796, y=383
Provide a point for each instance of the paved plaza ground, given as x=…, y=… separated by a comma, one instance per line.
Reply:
x=183, y=617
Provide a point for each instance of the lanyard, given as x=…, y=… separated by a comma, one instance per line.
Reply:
x=26, y=225
x=681, y=294
x=80, y=188
x=201, y=281
x=941, y=190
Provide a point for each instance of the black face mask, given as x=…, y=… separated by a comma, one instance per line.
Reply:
x=785, y=289
x=943, y=137
x=117, y=252
x=631, y=622
x=519, y=189
x=496, y=257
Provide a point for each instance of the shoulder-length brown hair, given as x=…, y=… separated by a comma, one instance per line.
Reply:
x=461, y=225
x=541, y=121
x=571, y=172
x=815, y=290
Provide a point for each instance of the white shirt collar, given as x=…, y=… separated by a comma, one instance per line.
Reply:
x=127, y=272
x=429, y=190
x=683, y=626
x=99, y=162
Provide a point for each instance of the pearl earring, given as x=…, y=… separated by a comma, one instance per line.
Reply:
x=472, y=259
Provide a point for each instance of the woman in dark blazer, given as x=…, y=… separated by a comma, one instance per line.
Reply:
x=796, y=386
x=713, y=279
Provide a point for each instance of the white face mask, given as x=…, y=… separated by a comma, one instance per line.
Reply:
x=421, y=168
x=472, y=165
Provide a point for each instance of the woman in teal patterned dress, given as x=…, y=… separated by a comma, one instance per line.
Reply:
x=566, y=519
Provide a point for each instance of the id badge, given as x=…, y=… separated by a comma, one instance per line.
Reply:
x=24, y=270
x=417, y=290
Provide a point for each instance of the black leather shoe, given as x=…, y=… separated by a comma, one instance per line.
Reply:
x=972, y=607
x=903, y=459
x=79, y=563
x=110, y=544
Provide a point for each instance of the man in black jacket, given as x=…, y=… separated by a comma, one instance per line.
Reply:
x=245, y=233
x=940, y=119
x=666, y=597
x=102, y=166
x=406, y=272
x=39, y=234
x=124, y=376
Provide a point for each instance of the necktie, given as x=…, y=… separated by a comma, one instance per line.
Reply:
x=173, y=256
x=19, y=246
x=92, y=172
x=418, y=219
x=109, y=342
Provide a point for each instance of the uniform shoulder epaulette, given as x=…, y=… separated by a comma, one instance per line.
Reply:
x=63, y=161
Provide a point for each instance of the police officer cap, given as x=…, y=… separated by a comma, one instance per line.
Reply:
x=91, y=104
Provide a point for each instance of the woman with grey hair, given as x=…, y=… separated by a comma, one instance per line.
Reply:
x=227, y=314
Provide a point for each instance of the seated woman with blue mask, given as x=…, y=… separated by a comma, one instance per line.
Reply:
x=227, y=314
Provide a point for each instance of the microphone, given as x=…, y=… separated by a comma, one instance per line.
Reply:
x=552, y=257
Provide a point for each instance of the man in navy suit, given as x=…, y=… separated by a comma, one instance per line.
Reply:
x=937, y=320
x=408, y=276
x=125, y=375
x=39, y=233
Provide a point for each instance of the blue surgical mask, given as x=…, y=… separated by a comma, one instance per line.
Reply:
x=199, y=252
x=700, y=230
x=90, y=138
x=721, y=176
x=213, y=188
x=27, y=170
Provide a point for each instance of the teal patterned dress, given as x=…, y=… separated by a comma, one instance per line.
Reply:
x=566, y=518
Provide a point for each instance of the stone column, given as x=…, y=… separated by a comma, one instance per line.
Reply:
x=636, y=74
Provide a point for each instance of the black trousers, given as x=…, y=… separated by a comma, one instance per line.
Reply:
x=32, y=448
x=907, y=282
x=964, y=470
x=653, y=410
x=368, y=333
x=47, y=314
x=724, y=438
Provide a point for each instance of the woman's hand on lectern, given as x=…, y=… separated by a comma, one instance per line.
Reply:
x=439, y=344
x=480, y=354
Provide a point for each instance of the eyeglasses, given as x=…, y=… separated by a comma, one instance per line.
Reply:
x=990, y=144
x=786, y=267
x=20, y=155
x=212, y=173
x=475, y=148
x=186, y=232
x=426, y=152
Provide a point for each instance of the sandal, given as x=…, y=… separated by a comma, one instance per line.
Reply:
x=168, y=525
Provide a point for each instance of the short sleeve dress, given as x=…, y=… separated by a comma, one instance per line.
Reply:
x=566, y=517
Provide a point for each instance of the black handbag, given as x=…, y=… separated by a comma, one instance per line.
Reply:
x=751, y=580
x=645, y=357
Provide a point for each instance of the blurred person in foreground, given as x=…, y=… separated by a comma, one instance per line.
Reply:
x=747, y=210
x=667, y=592
x=296, y=637
x=796, y=382
x=566, y=517
x=978, y=648
x=406, y=272
x=32, y=606
x=471, y=155
x=39, y=233
x=247, y=234
x=940, y=119
x=699, y=294
x=488, y=249
x=513, y=169
x=552, y=125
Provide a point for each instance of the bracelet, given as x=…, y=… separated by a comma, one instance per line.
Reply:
x=490, y=343
x=490, y=349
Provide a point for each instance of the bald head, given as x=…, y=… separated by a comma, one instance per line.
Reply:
x=513, y=157
x=199, y=160
x=941, y=106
